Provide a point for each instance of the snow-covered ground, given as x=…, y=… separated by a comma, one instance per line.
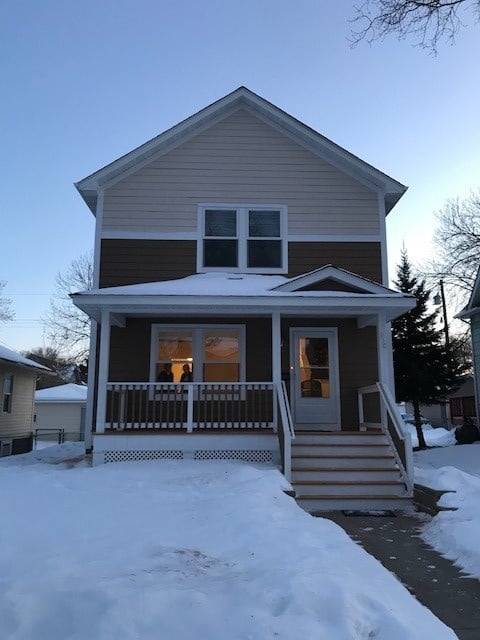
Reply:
x=434, y=437
x=455, y=534
x=183, y=551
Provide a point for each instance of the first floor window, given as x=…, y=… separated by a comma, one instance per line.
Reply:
x=198, y=353
x=243, y=238
x=221, y=361
x=7, y=393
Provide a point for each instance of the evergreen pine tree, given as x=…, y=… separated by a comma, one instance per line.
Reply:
x=425, y=371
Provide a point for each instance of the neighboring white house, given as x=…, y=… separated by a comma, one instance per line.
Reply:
x=471, y=314
x=61, y=407
x=18, y=377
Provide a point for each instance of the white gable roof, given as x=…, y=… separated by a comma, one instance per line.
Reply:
x=335, y=274
x=62, y=393
x=241, y=98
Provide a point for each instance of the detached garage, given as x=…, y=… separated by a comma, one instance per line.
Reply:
x=60, y=411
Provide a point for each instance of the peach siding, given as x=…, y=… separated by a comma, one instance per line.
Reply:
x=241, y=160
x=20, y=420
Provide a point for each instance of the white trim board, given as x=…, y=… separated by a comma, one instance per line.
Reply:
x=120, y=234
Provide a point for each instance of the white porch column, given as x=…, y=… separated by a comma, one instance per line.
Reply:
x=276, y=348
x=385, y=353
x=103, y=361
x=92, y=358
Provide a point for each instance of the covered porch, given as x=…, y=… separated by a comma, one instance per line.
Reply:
x=267, y=355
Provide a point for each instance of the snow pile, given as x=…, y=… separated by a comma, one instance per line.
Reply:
x=438, y=437
x=454, y=534
x=184, y=550
x=61, y=454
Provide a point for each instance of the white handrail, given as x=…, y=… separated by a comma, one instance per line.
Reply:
x=402, y=432
x=388, y=408
x=287, y=428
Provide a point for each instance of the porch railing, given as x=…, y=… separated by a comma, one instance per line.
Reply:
x=202, y=406
x=191, y=405
x=376, y=402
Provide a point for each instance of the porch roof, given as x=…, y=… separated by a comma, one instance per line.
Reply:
x=217, y=293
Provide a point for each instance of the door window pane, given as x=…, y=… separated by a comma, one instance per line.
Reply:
x=314, y=367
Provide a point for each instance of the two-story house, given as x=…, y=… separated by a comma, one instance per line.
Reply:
x=241, y=304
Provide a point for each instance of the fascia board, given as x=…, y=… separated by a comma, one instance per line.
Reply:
x=328, y=150
x=474, y=296
x=467, y=313
x=161, y=144
x=217, y=303
x=35, y=370
x=329, y=272
x=271, y=114
x=171, y=142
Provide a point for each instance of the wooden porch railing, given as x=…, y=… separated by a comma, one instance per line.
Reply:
x=383, y=414
x=202, y=406
x=190, y=405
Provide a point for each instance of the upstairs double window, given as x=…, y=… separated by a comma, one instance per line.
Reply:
x=242, y=238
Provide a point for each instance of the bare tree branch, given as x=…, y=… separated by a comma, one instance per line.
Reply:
x=427, y=21
x=6, y=311
x=67, y=327
x=457, y=247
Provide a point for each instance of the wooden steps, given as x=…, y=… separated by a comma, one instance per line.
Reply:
x=346, y=470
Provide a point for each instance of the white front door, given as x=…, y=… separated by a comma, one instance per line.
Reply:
x=314, y=378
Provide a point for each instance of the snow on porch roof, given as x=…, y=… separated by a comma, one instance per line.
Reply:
x=202, y=284
x=217, y=293
x=218, y=288
x=242, y=284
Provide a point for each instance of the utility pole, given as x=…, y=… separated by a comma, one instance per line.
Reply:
x=437, y=300
x=441, y=299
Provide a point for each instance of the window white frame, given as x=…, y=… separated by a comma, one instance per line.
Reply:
x=7, y=392
x=242, y=237
x=198, y=331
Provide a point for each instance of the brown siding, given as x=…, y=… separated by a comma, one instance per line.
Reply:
x=362, y=258
x=134, y=261
x=130, y=347
x=130, y=353
x=357, y=359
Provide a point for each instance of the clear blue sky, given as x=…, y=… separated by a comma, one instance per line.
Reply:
x=85, y=82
